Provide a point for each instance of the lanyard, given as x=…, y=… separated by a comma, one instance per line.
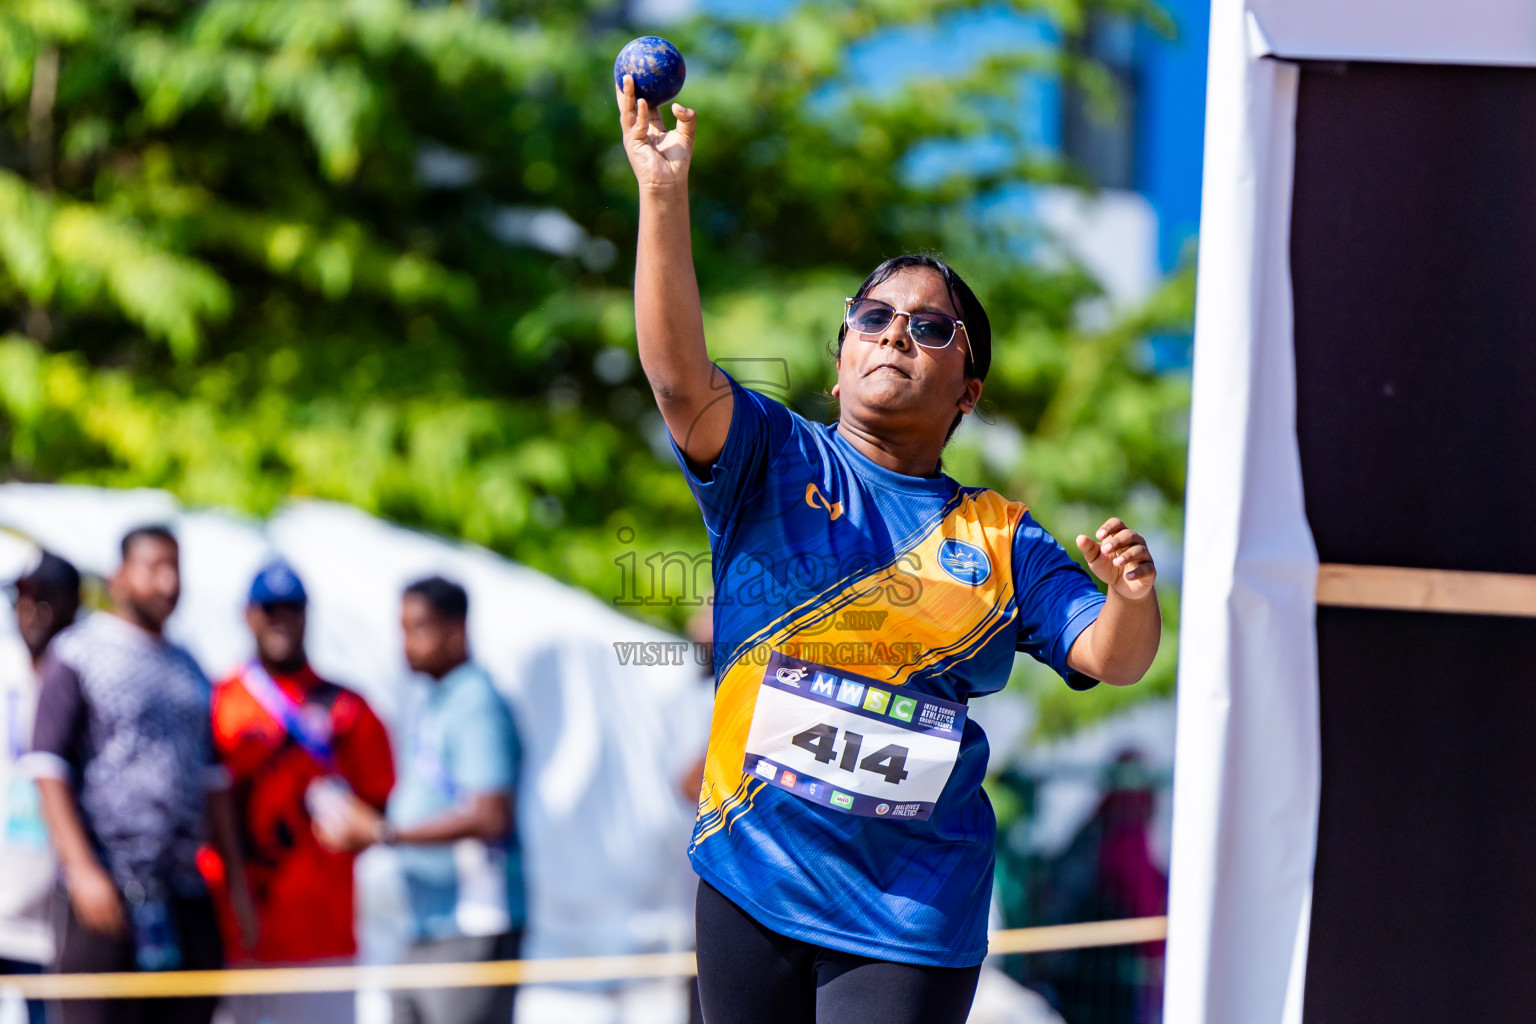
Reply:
x=429, y=758
x=15, y=726
x=301, y=728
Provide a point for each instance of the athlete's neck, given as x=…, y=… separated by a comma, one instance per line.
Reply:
x=292, y=667
x=130, y=614
x=909, y=456
x=441, y=672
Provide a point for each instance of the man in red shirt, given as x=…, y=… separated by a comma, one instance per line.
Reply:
x=294, y=743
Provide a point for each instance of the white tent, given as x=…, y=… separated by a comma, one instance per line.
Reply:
x=603, y=822
x=1246, y=788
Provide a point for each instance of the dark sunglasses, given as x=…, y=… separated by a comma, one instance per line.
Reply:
x=871, y=316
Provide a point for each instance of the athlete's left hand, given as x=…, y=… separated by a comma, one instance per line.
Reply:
x=1118, y=555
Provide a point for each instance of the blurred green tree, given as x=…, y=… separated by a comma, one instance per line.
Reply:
x=380, y=252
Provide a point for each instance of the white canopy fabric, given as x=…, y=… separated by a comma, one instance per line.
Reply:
x=603, y=822
x=1246, y=783
x=1246, y=766
x=1410, y=31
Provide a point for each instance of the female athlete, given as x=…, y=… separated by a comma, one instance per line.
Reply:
x=862, y=597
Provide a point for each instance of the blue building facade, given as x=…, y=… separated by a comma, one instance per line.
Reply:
x=1153, y=148
x=1170, y=125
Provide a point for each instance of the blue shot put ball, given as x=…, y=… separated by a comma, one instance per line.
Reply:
x=656, y=66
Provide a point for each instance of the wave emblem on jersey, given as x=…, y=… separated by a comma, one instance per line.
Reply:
x=964, y=562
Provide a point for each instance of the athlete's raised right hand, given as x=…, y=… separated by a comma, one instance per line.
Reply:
x=693, y=398
x=658, y=157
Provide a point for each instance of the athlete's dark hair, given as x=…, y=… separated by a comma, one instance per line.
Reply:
x=978, y=329
x=50, y=578
x=445, y=597
x=154, y=531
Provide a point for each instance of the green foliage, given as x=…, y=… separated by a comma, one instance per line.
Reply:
x=253, y=249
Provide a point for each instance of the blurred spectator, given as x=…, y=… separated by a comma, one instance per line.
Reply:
x=1106, y=873
x=451, y=819
x=47, y=597
x=291, y=740
x=123, y=756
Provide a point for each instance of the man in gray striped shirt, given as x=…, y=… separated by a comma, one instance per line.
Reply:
x=122, y=751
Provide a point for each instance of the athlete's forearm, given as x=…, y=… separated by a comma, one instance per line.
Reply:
x=224, y=834
x=62, y=816
x=1118, y=647
x=487, y=817
x=669, y=326
x=92, y=892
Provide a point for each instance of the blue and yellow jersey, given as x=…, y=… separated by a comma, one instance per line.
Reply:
x=857, y=611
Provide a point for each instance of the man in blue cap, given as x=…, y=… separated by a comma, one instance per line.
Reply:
x=294, y=742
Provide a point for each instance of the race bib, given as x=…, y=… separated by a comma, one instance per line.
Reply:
x=851, y=744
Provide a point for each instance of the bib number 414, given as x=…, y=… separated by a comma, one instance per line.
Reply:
x=889, y=761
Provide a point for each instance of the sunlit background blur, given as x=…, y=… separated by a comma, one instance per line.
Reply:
x=268, y=255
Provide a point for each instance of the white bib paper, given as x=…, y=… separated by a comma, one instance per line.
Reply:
x=852, y=744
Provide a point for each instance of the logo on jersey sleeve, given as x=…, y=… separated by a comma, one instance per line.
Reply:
x=965, y=562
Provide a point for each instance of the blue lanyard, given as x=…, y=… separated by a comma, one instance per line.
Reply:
x=289, y=714
x=429, y=759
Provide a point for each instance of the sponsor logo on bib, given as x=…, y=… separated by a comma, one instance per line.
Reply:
x=792, y=676
x=965, y=562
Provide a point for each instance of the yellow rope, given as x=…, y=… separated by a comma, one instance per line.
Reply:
x=504, y=972
x=1079, y=936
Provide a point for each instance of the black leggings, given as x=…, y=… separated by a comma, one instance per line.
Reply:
x=749, y=974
